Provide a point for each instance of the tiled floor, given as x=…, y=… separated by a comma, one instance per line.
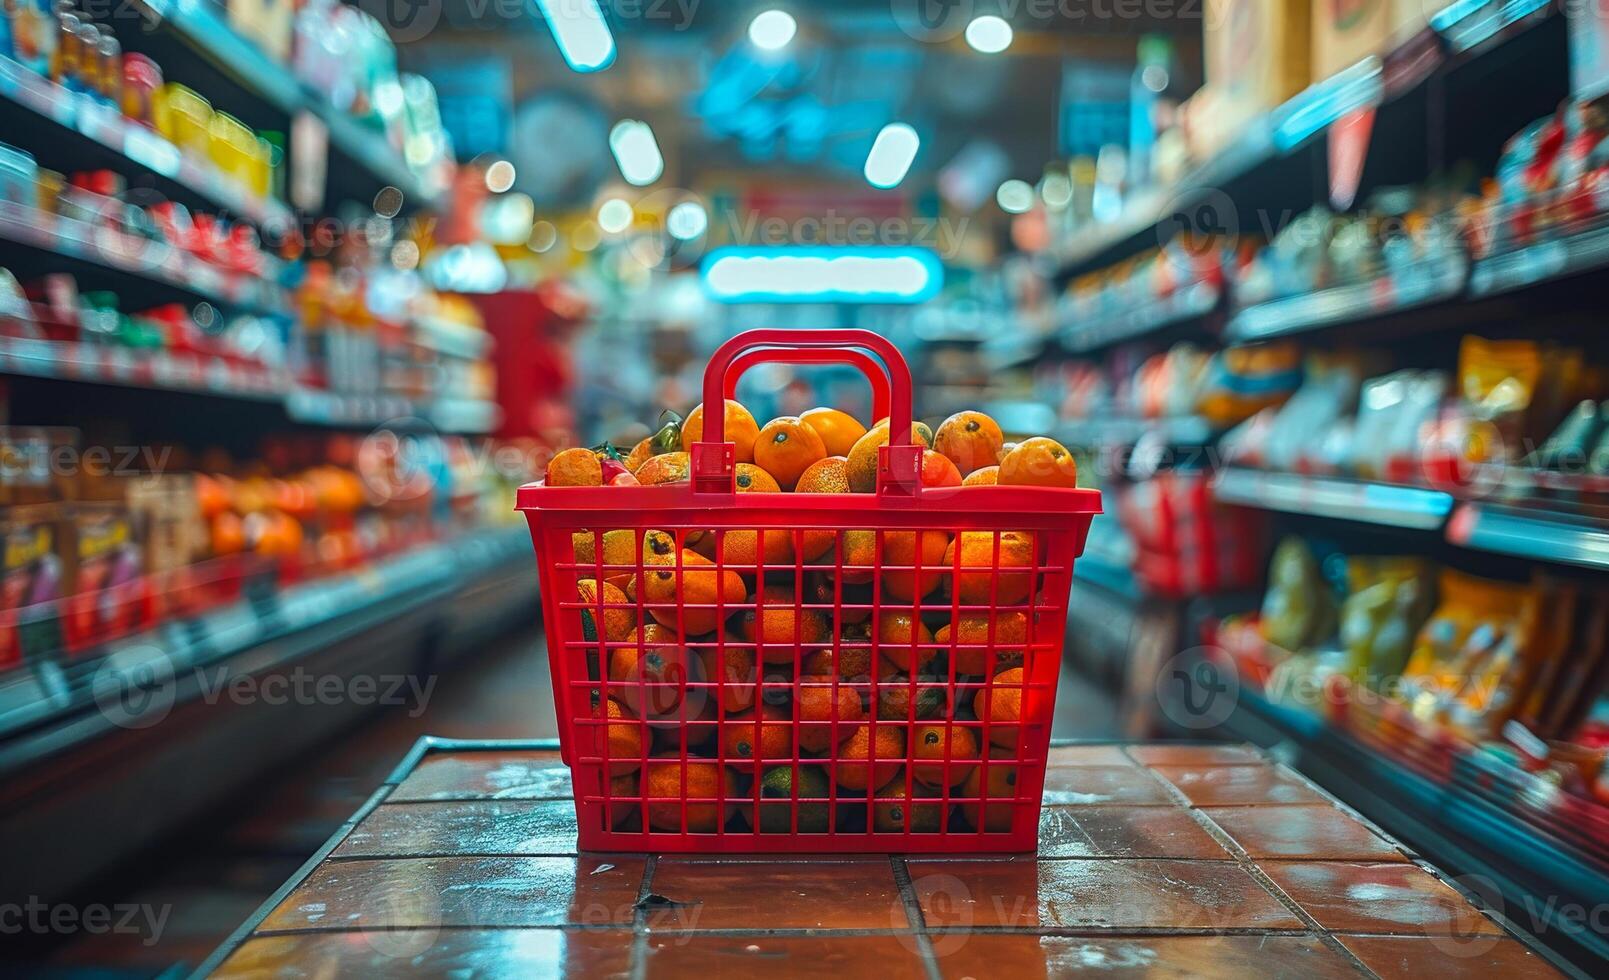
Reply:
x=1214, y=863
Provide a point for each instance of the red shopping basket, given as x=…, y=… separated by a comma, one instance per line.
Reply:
x=806, y=672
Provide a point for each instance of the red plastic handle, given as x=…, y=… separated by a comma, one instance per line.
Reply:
x=815, y=355
x=713, y=464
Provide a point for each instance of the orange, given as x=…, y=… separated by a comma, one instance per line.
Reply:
x=1038, y=462
x=838, y=430
x=623, y=789
x=820, y=588
x=708, y=782
x=895, y=631
x=1010, y=633
x=746, y=738
x=774, y=627
x=818, y=707
x=738, y=547
x=899, y=548
x=938, y=470
x=575, y=468
x=736, y=686
x=854, y=655
x=625, y=740
x=889, y=812
x=1002, y=786
x=640, y=454
x=863, y=455
x=971, y=440
x=894, y=698
x=212, y=494
x=687, y=598
x=986, y=477
x=786, y=447
x=617, y=623
x=1003, y=700
x=887, y=743
x=651, y=681
x=228, y=533
x=665, y=468
x=700, y=726
x=937, y=743
x=978, y=551
x=741, y=430
x=830, y=475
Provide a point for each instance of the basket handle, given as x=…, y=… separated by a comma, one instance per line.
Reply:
x=714, y=468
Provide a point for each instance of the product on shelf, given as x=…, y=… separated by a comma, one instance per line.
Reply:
x=1258, y=54
x=1549, y=181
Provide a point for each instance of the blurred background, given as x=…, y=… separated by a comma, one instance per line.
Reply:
x=295, y=293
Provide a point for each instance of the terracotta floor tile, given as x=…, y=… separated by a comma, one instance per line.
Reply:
x=1413, y=958
x=1125, y=832
x=468, y=827
x=1182, y=754
x=432, y=953
x=487, y=775
x=778, y=895
x=463, y=891
x=700, y=957
x=1314, y=833
x=1398, y=899
x=1024, y=957
x=1092, y=785
x=1095, y=894
x=1239, y=785
x=1090, y=755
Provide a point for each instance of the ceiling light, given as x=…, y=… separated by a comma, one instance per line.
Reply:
x=989, y=34
x=772, y=30
x=1015, y=196
x=891, y=155
x=636, y=151
x=583, y=36
x=615, y=216
x=687, y=221
x=822, y=274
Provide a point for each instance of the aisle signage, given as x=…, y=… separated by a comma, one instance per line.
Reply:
x=822, y=274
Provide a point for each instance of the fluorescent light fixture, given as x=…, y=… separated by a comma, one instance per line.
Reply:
x=822, y=274
x=989, y=34
x=615, y=215
x=499, y=176
x=581, y=32
x=1014, y=196
x=772, y=30
x=636, y=151
x=891, y=155
x=687, y=221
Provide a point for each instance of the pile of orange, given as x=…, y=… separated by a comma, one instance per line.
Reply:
x=743, y=677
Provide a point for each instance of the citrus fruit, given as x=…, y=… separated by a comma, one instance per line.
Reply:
x=862, y=466
x=828, y=475
x=1003, y=701
x=622, y=789
x=735, y=690
x=1038, y=462
x=838, y=430
x=778, y=784
x=705, y=782
x=893, y=803
x=625, y=739
x=879, y=742
x=652, y=680
x=763, y=733
x=894, y=698
x=738, y=548
x=977, y=550
x=820, y=588
x=700, y=721
x=575, y=468
x=971, y=440
x=640, y=454
x=692, y=597
x=1002, y=785
x=854, y=657
x=819, y=705
x=987, y=477
x=971, y=632
x=617, y=623
x=786, y=447
x=935, y=744
x=665, y=468
x=741, y=430
x=899, y=549
x=895, y=633
x=938, y=470
x=779, y=623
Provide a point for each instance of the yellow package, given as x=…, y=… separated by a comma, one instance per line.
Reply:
x=1498, y=379
x=1471, y=652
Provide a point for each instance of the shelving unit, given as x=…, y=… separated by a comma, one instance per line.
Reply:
x=1426, y=284
x=1188, y=303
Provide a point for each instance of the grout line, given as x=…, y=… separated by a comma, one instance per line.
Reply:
x=639, y=920
x=1092, y=932
x=913, y=915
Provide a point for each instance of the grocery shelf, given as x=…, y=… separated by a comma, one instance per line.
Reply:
x=1190, y=302
x=1529, y=533
x=52, y=703
x=1470, y=819
x=317, y=407
x=115, y=365
x=156, y=262
x=1413, y=508
x=1540, y=262
x=134, y=144
x=1423, y=285
x=1182, y=430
